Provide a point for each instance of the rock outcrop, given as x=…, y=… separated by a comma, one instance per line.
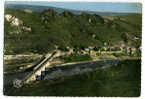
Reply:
x=13, y=20
x=8, y=17
x=24, y=28
x=17, y=24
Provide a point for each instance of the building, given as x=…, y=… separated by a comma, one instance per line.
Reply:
x=92, y=53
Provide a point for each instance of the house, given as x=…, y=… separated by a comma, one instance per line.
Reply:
x=121, y=48
x=140, y=48
x=87, y=49
x=92, y=53
x=83, y=52
x=8, y=57
x=91, y=47
x=133, y=50
x=104, y=48
x=128, y=50
x=70, y=51
x=105, y=43
x=59, y=53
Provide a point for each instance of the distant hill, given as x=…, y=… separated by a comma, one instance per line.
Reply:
x=59, y=10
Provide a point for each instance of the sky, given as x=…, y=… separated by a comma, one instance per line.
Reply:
x=92, y=6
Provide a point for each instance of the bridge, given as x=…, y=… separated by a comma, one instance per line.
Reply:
x=39, y=69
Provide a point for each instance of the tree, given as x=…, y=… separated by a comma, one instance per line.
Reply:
x=124, y=37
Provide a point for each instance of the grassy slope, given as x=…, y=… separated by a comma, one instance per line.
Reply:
x=134, y=19
x=21, y=43
x=123, y=80
x=64, y=30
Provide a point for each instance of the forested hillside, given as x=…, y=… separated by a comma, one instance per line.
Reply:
x=49, y=29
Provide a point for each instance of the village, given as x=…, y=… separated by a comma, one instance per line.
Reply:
x=53, y=58
x=92, y=51
x=28, y=60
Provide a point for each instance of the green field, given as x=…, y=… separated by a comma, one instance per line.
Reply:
x=123, y=80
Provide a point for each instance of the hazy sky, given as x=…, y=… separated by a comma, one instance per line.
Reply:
x=91, y=6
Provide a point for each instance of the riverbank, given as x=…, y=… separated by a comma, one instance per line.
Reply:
x=67, y=69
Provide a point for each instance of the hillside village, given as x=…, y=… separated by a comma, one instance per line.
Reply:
x=89, y=44
x=52, y=51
